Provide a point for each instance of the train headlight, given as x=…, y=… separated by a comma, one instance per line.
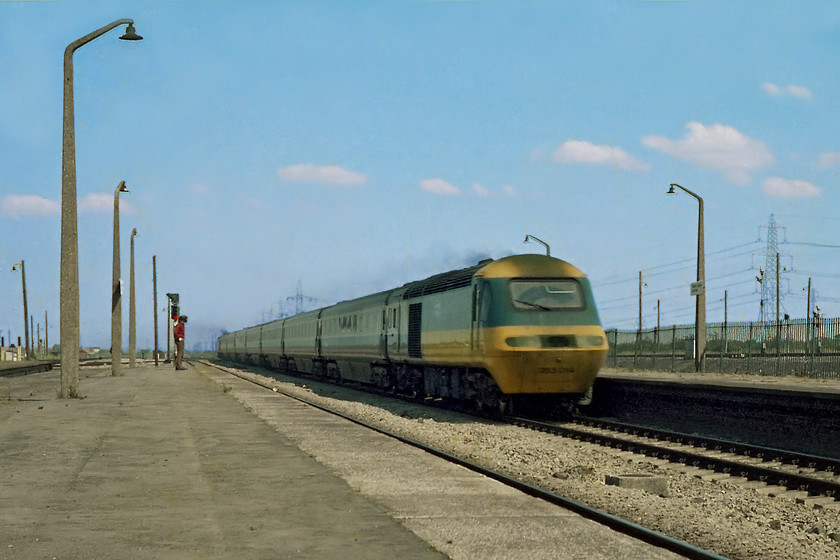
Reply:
x=524, y=342
x=590, y=341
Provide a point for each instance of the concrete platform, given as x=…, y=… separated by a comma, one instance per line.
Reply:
x=788, y=384
x=165, y=464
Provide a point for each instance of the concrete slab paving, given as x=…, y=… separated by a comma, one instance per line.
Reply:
x=196, y=464
x=159, y=464
x=459, y=512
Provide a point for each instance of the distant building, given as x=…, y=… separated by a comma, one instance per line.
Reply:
x=90, y=352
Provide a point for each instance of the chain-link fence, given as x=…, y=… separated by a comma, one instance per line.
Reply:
x=792, y=347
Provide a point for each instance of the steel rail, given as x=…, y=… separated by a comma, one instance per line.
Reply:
x=793, y=481
x=764, y=453
x=629, y=528
x=26, y=368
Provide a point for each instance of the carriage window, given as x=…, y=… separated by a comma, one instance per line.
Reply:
x=546, y=294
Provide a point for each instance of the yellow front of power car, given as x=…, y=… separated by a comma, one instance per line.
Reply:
x=540, y=359
x=539, y=330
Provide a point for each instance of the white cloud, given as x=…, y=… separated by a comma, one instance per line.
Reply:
x=719, y=147
x=799, y=91
x=29, y=206
x=103, y=203
x=480, y=190
x=829, y=159
x=439, y=186
x=771, y=89
x=777, y=187
x=581, y=151
x=97, y=203
x=508, y=190
x=791, y=90
x=324, y=174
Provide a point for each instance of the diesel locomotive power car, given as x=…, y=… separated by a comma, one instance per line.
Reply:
x=521, y=328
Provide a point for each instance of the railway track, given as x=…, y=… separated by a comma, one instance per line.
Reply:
x=816, y=477
x=24, y=368
x=627, y=527
x=15, y=369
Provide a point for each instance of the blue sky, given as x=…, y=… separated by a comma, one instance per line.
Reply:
x=350, y=147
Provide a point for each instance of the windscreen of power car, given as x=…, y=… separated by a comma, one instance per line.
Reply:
x=547, y=294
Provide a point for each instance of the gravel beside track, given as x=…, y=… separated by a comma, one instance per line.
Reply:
x=733, y=521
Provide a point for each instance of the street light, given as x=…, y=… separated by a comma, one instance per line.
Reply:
x=69, y=291
x=698, y=289
x=130, y=33
x=132, y=327
x=538, y=240
x=25, y=309
x=116, y=288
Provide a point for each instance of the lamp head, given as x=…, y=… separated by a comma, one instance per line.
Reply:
x=131, y=34
x=134, y=232
x=121, y=187
x=671, y=190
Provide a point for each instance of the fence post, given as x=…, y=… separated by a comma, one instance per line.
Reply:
x=655, y=348
x=778, y=345
x=636, y=348
x=814, y=344
x=749, y=348
x=673, y=348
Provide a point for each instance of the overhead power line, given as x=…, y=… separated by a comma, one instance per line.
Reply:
x=808, y=244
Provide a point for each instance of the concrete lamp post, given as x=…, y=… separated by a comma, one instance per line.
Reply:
x=25, y=309
x=69, y=291
x=154, y=298
x=116, y=288
x=698, y=289
x=132, y=326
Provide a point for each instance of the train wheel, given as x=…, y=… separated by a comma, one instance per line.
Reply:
x=382, y=377
x=333, y=373
x=586, y=399
x=506, y=407
x=490, y=400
